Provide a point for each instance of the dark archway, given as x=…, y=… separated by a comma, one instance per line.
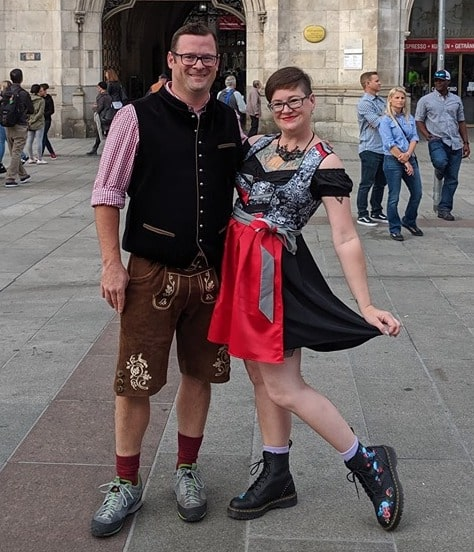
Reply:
x=136, y=37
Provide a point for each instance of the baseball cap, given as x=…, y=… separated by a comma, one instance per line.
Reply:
x=442, y=75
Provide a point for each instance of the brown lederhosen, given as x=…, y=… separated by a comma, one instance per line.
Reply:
x=160, y=302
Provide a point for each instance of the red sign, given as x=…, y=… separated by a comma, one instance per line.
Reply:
x=230, y=23
x=430, y=45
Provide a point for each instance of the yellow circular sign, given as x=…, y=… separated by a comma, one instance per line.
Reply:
x=314, y=33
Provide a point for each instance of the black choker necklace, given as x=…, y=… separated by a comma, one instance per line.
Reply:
x=295, y=153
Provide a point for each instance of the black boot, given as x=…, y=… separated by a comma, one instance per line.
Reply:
x=273, y=488
x=92, y=152
x=375, y=468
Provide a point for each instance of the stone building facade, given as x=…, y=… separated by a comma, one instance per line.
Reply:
x=68, y=43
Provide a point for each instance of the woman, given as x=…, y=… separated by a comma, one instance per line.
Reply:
x=281, y=183
x=115, y=89
x=399, y=137
x=48, y=113
x=34, y=139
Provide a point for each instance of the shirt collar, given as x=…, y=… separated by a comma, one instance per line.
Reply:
x=168, y=86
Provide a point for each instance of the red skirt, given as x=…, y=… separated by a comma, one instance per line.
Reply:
x=248, y=315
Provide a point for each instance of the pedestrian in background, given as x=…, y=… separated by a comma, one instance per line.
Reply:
x=34, y=140
x=103, y=115
x=162, y=79
x=254, y=107
x=48, y=113
x=16, y=135
x=3, y=135
x=399, y=138
x=115, y=89
x=370, y=110
x=440, y=120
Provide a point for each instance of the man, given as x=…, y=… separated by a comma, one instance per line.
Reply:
x=254, y=107
x=16, y=135
x=175, y=153
x=48, y=113
x=103, y=115
x=370, y=110
x=440, y=119
x=231, y=96
x=162, y=79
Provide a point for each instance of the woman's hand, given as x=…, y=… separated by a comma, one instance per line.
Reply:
x=408, y=168
x=403, y=157
x=383, y=320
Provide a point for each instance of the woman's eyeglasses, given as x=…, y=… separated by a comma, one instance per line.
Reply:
x=294, y=103
x=207, y=60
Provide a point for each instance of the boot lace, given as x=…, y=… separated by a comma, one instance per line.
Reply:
x=263, y=474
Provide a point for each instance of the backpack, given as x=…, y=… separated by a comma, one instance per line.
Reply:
x=10, y=110
x=228, y=98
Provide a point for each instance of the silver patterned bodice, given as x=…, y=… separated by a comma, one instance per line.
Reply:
x=283, y=197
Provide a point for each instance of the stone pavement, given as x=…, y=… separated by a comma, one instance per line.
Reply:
x=57, y=352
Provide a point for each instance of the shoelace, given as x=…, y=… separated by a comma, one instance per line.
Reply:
x=263, y=475
x=116, y=493
x=192, y=484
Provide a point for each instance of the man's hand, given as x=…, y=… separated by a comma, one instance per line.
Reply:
x=113, y=284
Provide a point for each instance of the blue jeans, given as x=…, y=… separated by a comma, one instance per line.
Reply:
x=448, y=162
x=395, y=173
x=3, y=137
x=371, y=176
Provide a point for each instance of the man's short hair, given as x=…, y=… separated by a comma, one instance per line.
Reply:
x=44, y=86
x=16, y=76
x=197, y=29
x=365, y=78
x=102, y=84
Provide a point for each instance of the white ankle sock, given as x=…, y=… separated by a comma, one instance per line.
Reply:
x=276, y=450
x=350, y=453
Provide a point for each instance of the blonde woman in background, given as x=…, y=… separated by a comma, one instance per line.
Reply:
x=399, y=139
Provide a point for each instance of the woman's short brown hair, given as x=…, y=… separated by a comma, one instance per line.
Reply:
x=286, y=79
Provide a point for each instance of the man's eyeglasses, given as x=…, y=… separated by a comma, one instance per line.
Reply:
x=207, y=60
x=294, y=103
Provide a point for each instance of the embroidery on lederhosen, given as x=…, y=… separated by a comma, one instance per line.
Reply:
x=208, y=285
x=163, y=299
x=222, y=361
x=139, y=375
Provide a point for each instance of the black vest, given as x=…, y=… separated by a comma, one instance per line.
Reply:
x=181, y=187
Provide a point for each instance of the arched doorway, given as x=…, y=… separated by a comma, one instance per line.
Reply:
x=421, y=50
x=136, y=35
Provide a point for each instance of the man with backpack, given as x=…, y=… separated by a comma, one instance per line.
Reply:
x=234, y=99
x=14, y=110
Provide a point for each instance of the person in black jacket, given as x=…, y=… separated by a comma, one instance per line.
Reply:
x=103, y=115
x=175, y=153
x=115, y=89
x=16, y=135
x=48, y=112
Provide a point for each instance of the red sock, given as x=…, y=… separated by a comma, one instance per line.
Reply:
x=127, y=467
x=188, y=449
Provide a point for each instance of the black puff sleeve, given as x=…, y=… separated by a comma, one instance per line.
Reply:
x=331, y=182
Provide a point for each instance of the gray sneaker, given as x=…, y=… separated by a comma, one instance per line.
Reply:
x=121, y=500
x=190, y=494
